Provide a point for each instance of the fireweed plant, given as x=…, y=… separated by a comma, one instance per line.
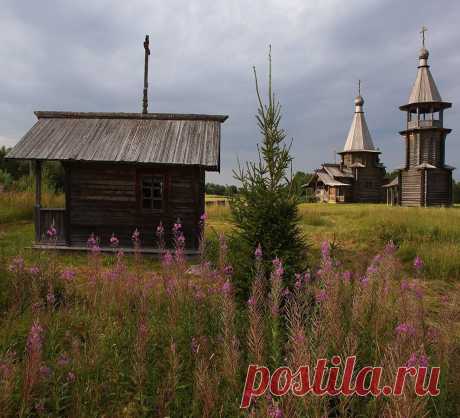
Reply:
x=106, y=338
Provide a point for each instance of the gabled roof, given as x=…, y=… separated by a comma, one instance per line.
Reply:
x=182, y=139
x=359, y=137
x=328, y=180
x=334, y=170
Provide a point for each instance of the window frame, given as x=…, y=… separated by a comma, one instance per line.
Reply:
x=162, y=199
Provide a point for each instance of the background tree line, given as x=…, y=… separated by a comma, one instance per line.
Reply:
x=17, y=175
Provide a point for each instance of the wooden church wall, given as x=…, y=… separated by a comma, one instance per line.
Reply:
x=106, y=199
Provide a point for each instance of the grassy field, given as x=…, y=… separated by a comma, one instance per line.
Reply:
x=361, y=230
x=93, y=335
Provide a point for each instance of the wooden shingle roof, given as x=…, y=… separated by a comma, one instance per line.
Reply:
x=183, y=139
x=359, y=138
x=424, y=91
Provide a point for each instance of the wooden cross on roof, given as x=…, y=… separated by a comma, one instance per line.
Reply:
x=145, y=102
x=424, y=29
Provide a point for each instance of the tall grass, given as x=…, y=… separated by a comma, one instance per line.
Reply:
x=107, y=339
x=432, y=233
x=19, y=206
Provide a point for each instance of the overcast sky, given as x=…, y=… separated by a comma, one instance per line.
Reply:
x=88, y=56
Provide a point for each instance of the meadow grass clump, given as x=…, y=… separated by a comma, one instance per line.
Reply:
x=113, y=336
x=18, y=206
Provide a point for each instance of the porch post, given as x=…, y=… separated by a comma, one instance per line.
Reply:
x=38, y=199
x=68, y=208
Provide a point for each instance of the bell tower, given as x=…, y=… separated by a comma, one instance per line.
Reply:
x=425, y=179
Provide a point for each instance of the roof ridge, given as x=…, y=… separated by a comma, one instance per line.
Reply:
x=126, y=115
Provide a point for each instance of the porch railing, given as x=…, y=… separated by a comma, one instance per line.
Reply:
x=49, y=217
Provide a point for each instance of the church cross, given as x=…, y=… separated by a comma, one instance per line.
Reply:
x=424, y=29
x=359, y=87
x=145, y=101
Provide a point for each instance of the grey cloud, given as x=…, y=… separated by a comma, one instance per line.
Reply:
x=88, y=56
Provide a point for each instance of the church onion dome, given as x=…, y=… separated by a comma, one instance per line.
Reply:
x=424, y=94
x=359, y=137
x=359, y=101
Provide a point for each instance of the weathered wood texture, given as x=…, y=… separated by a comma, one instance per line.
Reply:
x=106, y=199
x=368, y=181
x=152, y=138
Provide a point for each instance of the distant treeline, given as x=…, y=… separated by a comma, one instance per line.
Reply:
x=17, y=175
x=300, y=178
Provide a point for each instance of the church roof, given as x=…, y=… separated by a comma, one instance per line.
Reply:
x=359, y=138
x=334, y=170
x=424, y=88
x=328, y=180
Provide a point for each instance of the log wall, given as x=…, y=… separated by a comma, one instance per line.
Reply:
x=106, y=199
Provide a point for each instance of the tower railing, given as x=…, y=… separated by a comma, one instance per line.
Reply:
x=429, y=123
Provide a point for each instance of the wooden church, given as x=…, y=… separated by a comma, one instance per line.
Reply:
x=123, y=171
x=425, y=179
x=360, y=175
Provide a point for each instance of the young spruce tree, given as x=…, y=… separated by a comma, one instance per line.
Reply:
x=265, y=209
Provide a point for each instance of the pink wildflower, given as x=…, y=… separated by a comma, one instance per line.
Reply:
x=251, y=301
x=71, y=377
x=50, y=297
x=325, y=250
x=34, y=270
x=412, y=362
x=177, y=227
x=226, y=288
x=45, y=371
x=346, y=276
x=194, y=345
x=390, y=248
x=136, y=236
x=321, y=296
x=364, y=280
x=34, y=339
x=258, y=252
x=160, y=229
x=40, y=406
x=68, y=275
x=17, y=265
x=181, y=239
x=51, y=232
x=418, y=263
x=404, y=285
x=92, y=241
x=228, y=270
x=114, y=241
x=405, y=328
x=298, y=281
x=278, y=265
x=63, y=360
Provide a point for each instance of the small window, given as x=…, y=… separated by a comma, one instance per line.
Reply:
x=152, y=192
